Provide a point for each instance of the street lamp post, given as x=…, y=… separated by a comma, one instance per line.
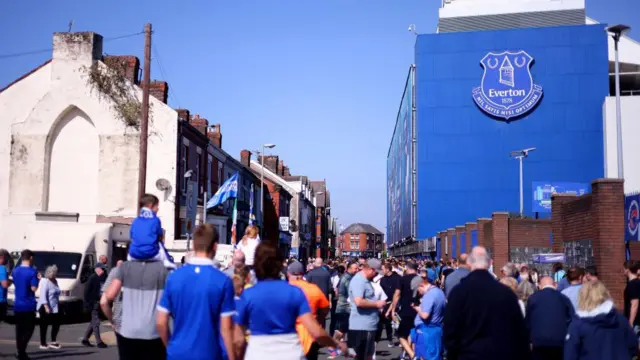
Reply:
x=520, y=155
x=616, y=32
x=268, y=146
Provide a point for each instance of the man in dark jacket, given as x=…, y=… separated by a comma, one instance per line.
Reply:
x=549, y=314
x=321, y=277
x=92, y=293
x=482, y=319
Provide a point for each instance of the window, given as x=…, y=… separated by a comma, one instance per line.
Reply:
x=198, y=174
x=219, y=178
x=209, y=185
x=184, y=165
x=355, y=245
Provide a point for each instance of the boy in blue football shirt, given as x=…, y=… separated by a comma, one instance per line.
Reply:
x=147, y=235
x=25, y=282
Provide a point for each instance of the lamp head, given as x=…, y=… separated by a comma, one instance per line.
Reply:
x=269, y=146
x=618, y=30
x=521, y=153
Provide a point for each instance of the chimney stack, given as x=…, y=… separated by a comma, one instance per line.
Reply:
x=199, y=123
x=214, y=134
x=183, y=114
x=245, y=158
x=285, y=171
x=159, y=90
x=270, y=163
x=72, y=48
x=280, y=169
x=127, y=66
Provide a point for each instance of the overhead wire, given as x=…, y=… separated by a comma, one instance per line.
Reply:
x=163, y=73
x=33, y=52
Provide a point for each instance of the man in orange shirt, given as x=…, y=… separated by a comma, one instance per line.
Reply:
x=318, y=303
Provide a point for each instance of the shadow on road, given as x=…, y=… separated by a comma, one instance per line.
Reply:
x=57, y=354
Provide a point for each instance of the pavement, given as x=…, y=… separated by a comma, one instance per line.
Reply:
x=71, y=334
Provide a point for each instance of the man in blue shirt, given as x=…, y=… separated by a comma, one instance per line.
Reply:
x=25, y=280
x=574, y=275
x=4, y=284
x=200, y=299
x=428, y=321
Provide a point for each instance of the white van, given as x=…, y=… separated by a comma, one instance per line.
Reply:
x=74, y=248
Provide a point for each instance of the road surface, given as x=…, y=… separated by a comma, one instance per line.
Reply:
x=71, y=334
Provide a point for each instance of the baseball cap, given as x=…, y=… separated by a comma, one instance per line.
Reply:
x=375, y=264
x=295, y=268
x=101, y=266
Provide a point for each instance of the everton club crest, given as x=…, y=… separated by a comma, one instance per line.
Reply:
x=507, y=90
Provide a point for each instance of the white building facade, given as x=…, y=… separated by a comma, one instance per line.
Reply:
x=66, y=147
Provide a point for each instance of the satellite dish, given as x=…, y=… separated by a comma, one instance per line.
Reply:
x=163, y=184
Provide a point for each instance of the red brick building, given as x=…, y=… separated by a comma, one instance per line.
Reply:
x=362, y=240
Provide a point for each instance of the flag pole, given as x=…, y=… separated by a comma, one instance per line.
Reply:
x=234, y=218
x=204, y=208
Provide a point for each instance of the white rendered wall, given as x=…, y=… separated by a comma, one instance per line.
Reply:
x=630, y=140
x=94, y=156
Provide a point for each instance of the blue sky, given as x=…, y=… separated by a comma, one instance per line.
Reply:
x=322, y=79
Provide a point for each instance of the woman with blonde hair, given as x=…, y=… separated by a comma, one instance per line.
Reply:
x=599, y=331
x=48, y=308
x=249, y=243
x=512, y=284
x=524, y=291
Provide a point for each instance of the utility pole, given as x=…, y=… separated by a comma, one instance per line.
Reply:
x=144, y=121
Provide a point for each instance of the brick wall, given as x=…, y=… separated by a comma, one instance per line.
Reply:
x=450, y=233
x=588, y=229
x=442, y=236
x=529, y=233
x=485, y=233
x=598, y=217
x=460, y=232
x=500, y=227
x=470, y=226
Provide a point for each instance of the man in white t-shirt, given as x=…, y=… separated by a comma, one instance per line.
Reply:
x=379, y=295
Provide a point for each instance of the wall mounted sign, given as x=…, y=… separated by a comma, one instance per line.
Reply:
x=632, y=217
x=507, y=90
x=543, y=191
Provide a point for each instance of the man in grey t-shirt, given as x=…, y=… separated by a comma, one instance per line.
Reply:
x=455, y=277
x=142, y=283
x=365, y=310
x=343, y=307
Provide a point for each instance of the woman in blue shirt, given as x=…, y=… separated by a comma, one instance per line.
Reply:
x=269, y=310
x=48, y=308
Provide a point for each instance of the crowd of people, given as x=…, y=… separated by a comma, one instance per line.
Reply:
x=261, y=306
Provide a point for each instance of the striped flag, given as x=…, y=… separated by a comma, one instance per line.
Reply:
x=228, y=190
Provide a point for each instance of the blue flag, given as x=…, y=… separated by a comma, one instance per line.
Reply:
x=228, y=190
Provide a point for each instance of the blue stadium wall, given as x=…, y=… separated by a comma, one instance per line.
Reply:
x=462, y=154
